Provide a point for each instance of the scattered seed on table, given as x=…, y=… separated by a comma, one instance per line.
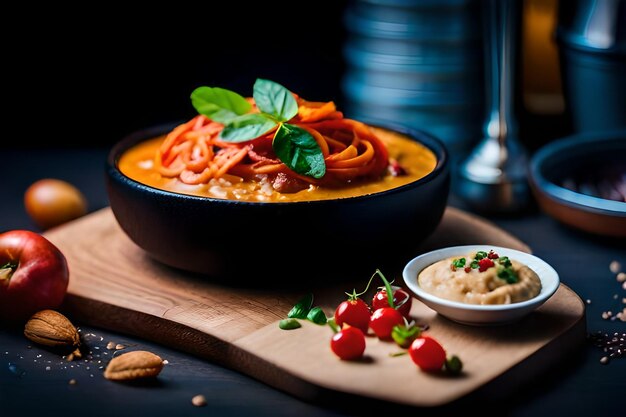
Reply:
x=119, y=346
x=605, y=315
x=199, y=401
x=111, y=345
x=621, y=277
x=615, y=267
x=72, y=381
x=613, y=345
x=588, y=301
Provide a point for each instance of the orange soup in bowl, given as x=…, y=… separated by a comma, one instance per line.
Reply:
x=412, y=159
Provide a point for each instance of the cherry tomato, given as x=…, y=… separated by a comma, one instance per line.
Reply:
x=428, y=354
x=51, y=202
x=399, y=295
x=348, y=343
x=354, y=312
x=383, y=320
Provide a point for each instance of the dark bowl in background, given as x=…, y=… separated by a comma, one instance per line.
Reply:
x=590, y=161
x=591, y=35
x=293, y=241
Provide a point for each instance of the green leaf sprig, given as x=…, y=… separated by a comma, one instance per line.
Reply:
x=293, y=145
x=303, y=310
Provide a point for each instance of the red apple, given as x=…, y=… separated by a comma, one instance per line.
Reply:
x=33, y=275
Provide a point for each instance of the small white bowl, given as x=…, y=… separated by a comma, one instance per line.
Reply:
x=481, y=315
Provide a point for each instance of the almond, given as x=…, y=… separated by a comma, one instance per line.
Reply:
x=134, y=365
x=51, y=328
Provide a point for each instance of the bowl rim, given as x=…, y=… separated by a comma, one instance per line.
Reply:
x=569, y=197
x=549, y=278
x=426, y=139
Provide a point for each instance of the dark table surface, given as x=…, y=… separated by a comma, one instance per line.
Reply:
x=35, y=381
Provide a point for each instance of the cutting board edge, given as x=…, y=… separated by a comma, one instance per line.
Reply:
x=170, y=333
x=566, y=344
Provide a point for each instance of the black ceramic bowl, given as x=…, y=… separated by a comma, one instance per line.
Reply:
x=578, y=180
x=251, y=241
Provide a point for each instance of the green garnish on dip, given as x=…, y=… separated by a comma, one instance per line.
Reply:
x=459, y=263
x=506, y=271
x=485, y=260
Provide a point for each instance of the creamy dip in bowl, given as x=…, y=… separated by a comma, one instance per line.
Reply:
x=454, y=279
x=497, y=286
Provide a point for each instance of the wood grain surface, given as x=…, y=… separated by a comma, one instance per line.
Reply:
x=115, y=285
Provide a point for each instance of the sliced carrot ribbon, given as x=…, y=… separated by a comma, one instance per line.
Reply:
x=194, y=153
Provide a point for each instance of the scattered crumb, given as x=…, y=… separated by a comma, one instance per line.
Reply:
x=624, y=285
x=165, y=362
x=621, y=277
x=615, y=296
x=588, y=301
x=615, y=267
x=119, y=346
x=605, y=315
x=200, y=400
x=72, y=381
x=111, y=345
x=604, y=360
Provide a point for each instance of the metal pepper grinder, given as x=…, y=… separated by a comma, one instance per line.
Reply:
x=493, y=177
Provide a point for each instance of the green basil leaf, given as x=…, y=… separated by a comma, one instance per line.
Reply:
x=275, y=100
x=317, y=316
x=219, y=104
x=289, y=324
x=299, y=151
x=453, y=365
x=302, y=308
x=247, y=127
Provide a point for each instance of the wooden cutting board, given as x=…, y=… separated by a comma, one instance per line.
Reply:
x=115, y=285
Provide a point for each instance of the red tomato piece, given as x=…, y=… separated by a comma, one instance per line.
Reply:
x=355, y=313
x=484, y=264
x=428, y=354
x=383, y=320
x=348, y=343
x=399, y=297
